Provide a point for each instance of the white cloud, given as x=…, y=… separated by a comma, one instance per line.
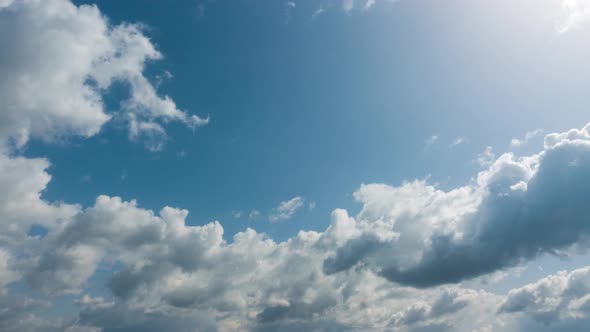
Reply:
x=22, y=181
x=369, y=4
x=575, y=14
x=170, y=271
x=347, y=5
x=518, y=209
x=57, y=62
x=515, y=142
x=486, y=158
x=286, y=209
x=254, y=214
x=289, y=7
x=431, y=141
x=7, y=274
x=318, y=12
x=173, y=276
x=555, y=298
x=458, y=141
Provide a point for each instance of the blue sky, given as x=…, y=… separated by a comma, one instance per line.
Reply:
x=417, y=141
x=314, y=107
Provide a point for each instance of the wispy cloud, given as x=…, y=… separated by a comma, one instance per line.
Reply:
x=458, y=141
x=347, y=5
x=254, y=214
x=431, y=141
x=318, y=12
x=289, y=6
x=286, y=209
x=515, y=142
x=487, y=157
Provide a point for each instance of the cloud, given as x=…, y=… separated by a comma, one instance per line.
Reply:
x=458, y=141
x=289, y=7
x=113, y=318
x=17, y=313
x=349, y=5
x=515, y=142
x=517, y=210
x=22, y=180
x=487, y=157
x=254, y=214
x=287, y=209
x=554, y=299
x=318, y=12
x=174, y=276
x=431, y=141
x=170, y=275
x=575, y=13
x=59, y=60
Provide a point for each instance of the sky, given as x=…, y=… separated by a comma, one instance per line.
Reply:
x=252, y=165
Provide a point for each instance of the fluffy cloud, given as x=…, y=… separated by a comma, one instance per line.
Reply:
x=57, y=62
x=560, y=297
x=173, y=275
x=166, y=274
x=22, y=180
x=518, y=209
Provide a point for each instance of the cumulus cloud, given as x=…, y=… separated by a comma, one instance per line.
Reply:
x=428, y=314
x=174, y=276
x=111, y=318
x=518, y=208
x=553, y=299
x=166, y=274
x=58, y=61
x=22, y=180
x=287, y=209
